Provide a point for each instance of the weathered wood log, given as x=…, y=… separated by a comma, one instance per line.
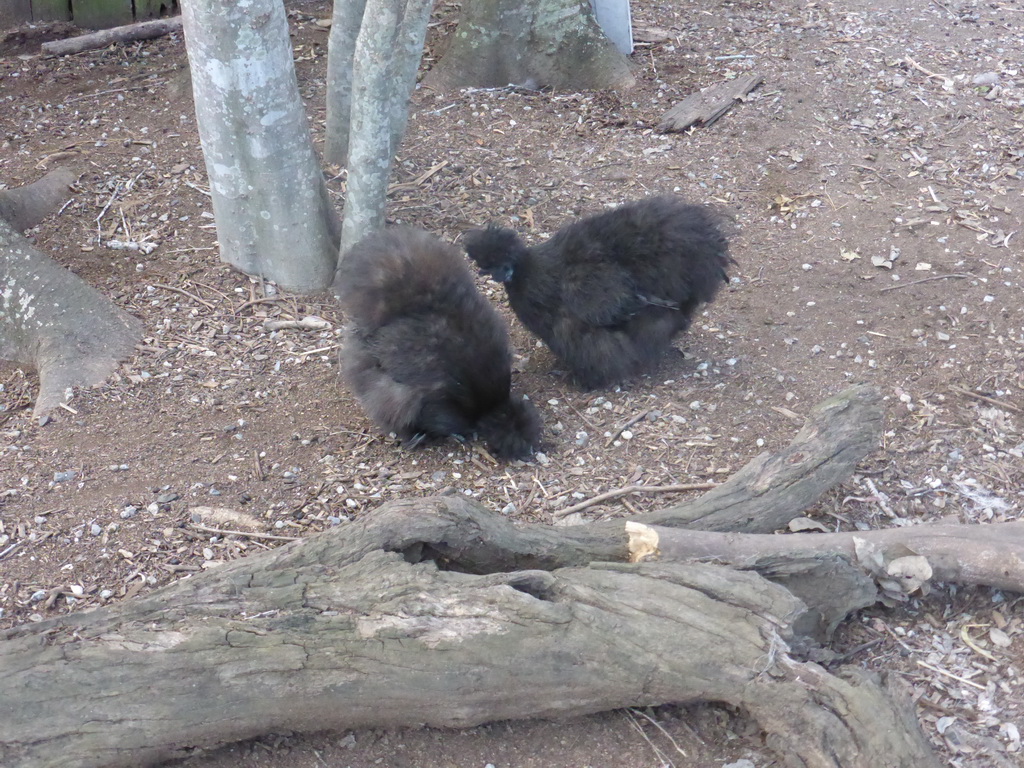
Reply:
x=437, y=611
x=143, y=30
x=49, y=317
x=347, y=629
x=706, y=106
x=774, y=488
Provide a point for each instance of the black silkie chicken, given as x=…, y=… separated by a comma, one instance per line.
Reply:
x=425, y=353
x=609, y=292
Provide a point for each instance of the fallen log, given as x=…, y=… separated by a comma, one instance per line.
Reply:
x=436, y=611
x=143, y=30
x=341, y=631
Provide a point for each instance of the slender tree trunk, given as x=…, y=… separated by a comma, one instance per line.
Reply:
x=533, y=43
x=50, y=319
x=346, y=19
x=388, y=49
x=369, y=152
x=274, y=217
x=411, y=37
x=403, y=62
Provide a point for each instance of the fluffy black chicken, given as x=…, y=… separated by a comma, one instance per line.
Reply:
x=426, y=355
x=607, y=293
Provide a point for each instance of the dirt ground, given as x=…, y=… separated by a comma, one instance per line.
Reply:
x=876, y=177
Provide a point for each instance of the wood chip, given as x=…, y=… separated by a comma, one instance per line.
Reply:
x=705, y=107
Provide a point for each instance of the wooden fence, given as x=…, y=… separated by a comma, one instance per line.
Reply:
x=88, y=14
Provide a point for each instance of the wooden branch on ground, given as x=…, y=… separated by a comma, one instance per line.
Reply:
x=990, y=555
x=144, y=30
x=838, y=573
x=704, y=107
x=773, y=489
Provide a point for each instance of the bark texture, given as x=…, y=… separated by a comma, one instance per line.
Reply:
x=387, y=53
x=50, y=319
x=346, y=19
x=24, y=207
x=274, y=217
x=538, y=43
x=437, y=611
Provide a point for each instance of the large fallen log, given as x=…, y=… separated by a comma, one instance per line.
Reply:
x=436, y=611
x=340, y=631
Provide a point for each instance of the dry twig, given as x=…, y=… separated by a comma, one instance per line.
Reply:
x=924, y=280
x=627, y=490
x=247, y=534
x=626, y=425
x=183, y=292
x=989, y=400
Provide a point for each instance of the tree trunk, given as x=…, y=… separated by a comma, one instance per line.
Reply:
x=537, y=43
x=436, y=611
x=406, y=63
x=346, y=19
x=402, y=60
x=50, y=319
x=274, y=217
x=369, y=151
x=387, y=53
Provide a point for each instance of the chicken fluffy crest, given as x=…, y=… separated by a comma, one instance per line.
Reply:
x=425, y=354
x=608, y=293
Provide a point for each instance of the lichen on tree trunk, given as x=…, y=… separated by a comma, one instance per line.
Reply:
x=270, y=202
x=538, y=43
